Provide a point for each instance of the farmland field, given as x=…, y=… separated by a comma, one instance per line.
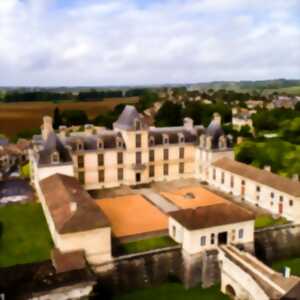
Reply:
x=15, y=117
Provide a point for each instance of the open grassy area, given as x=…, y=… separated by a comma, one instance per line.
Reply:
x=25, y=237
x=175, y=291
x=148, y=244
x=267, y=221
x=293, y=263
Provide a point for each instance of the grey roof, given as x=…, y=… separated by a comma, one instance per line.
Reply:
x=51, y=145
x=127, y=118
x=3, y=141
x=15, y=187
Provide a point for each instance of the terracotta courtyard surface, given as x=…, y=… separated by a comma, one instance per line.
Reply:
x=132, y=215
x=192, y=197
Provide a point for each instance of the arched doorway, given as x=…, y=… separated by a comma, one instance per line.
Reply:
x=230, y=291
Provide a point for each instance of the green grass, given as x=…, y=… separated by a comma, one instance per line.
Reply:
x=174, y=291
x=267, y=221
x=25, y=237
x=148, y=244
x=293, y=263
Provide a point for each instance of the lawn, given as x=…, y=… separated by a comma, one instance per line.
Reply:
x=174, y=291
x=267, y=221
x=148, y=244
x=293, y=263
x=25, y=237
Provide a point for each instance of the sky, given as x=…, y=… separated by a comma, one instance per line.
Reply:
x=137, y=42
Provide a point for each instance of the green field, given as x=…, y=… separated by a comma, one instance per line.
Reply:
x=25, y=237
x=293, y=263
x=174, y=291
x=147, y=245
x=267, y=221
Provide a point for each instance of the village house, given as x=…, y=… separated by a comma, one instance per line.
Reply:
x=242, y=117
x=262, y=188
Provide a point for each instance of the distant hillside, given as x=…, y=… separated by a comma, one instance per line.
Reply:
x=266, y=86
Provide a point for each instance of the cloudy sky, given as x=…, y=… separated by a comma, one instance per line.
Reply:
x=120, y=42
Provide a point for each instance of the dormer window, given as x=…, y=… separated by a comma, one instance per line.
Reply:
x=119, y=143
x=222, y=142
x=151, y=141
x=137, y=124
x=55, y=157
x=79, y=145
x=99, y=143
x=181, y=138
x=165, y=139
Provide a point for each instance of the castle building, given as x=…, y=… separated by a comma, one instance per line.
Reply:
x=131, y=153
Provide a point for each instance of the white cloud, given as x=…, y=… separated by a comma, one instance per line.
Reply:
x=122, y=42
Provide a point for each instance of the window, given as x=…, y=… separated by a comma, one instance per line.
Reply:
x=203, y=240
x=151, y=155
x=165, y=139
x=120, y=158
x=291, y=202
x=212, y=238
x=233, y=235
x=222, y=177
x=181, y=168
x=100, y=159
x=166, y=154
x=120, y=174
x=241, y=233
x=79, y=145
x=101, y=175
x=231, y=181
x=119, y=143
x=99, y=144
x=81, y=177
x=214, y=174
x=151, y=171
x=281, y=198
x=151, y=141
x=138, y=125
x=258, y=188
x=80, y=161
x=181, y=153
x=55, y=157
x=272, y=195
x=243, y=182
x=138, y=141
x=166, y=169
x=138, y=158
x=174, y=231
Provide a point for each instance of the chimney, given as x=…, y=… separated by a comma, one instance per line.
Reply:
x=62, y=131
x=295, y=177
x=267, y=168
x=217, y=119
x=287, y=272
x=188, y=123
x=46, y=127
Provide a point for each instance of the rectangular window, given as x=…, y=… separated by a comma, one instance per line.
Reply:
x=138, y=141
x=81, y=177
x=166, y=169
x=80, y=161
x=181, y=153
x=166, y=154
x=281, y=198
x=101, y=175
x=291, y=202
x=174, y=231
x=258, y=188
x=231, y=181
x=151, y=171
x=181, y=168
x=151, y=155
x=214, y=174
x=120, y=174
x=203, y=240
x=222, y=177
x=100, y=159
x=272, y=195
x=212, y=238
x=120, y=158
x=241, y=233
x=138, y=158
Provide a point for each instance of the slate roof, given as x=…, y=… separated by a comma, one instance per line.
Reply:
x=215, y=131
x=61, y=192
x=212, y=215
x=264, y=177
x=51, y=145
x=15, y=187
x=127, y=118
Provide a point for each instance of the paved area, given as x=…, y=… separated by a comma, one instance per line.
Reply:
x=158, y=200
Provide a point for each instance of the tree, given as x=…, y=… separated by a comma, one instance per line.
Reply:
x=170, y=114
x=74, y=117
x=57, y=120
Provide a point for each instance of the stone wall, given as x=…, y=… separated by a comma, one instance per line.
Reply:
x=277, y=242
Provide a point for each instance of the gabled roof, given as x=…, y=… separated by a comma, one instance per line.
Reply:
x=127, y=118
x=51, y=145
x=212, y=215
x=264, y=177
x=70, y=206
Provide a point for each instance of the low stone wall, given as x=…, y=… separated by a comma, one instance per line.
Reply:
x=277, y=242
